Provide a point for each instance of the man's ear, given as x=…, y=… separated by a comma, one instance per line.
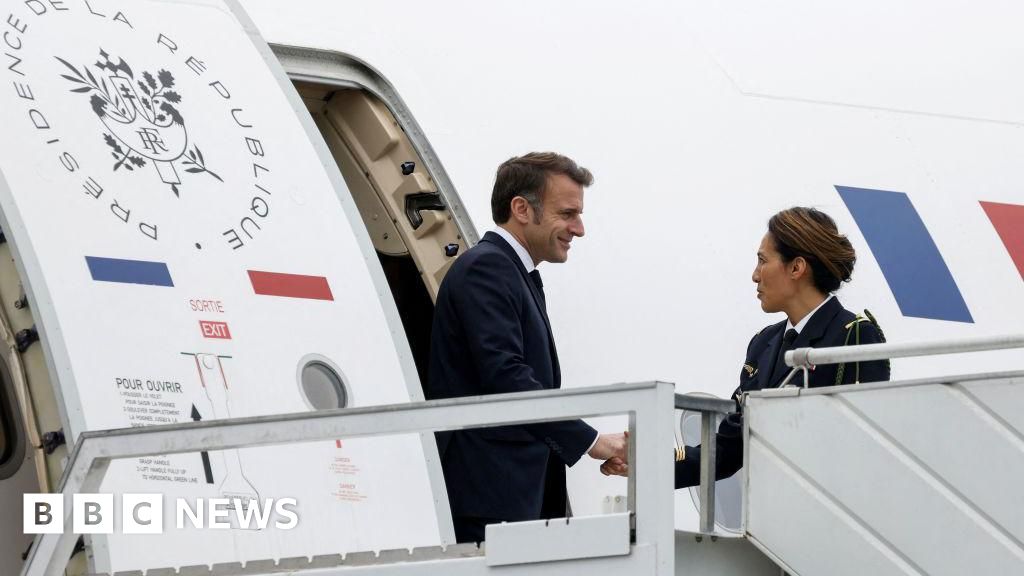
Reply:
x=522, y=212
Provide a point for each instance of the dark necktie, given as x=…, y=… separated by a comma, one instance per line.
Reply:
x=535, y=276
x=787, y=344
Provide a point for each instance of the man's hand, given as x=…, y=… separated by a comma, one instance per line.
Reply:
x=611, y=446
x=614, y=467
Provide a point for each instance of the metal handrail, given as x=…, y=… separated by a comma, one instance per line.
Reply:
x=708, y=408
x=704, y=404
x=808, y=357
x=1016, y=375
x=647, y=405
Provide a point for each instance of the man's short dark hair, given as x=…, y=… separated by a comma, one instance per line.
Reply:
x=527, y=176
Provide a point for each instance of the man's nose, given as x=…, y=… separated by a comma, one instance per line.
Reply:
x=577, y=227
x=755, y=277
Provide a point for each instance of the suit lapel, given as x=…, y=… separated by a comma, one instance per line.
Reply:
x=809, y=336
x=537, y=298
x=771, y=357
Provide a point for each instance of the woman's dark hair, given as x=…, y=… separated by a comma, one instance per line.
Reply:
x=527, y=176
x=812, y=235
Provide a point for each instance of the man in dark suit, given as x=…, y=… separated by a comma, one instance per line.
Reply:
x=491, y=335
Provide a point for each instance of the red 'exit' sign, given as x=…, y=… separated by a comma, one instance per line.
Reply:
x=215, y=329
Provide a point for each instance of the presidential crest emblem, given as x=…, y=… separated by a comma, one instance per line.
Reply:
x=141, y=120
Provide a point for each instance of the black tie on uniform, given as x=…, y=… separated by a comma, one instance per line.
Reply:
x=787, y=344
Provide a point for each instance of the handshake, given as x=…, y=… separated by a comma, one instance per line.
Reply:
x=614, y=450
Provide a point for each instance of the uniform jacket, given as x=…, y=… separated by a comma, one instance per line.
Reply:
x=491, y=335
x=762, y=368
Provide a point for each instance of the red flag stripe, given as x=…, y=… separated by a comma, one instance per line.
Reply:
x=290, y=285
x=1008, y=220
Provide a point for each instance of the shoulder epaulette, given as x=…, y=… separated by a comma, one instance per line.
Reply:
x=871, y=318
x=853, y=329
x=857, y=320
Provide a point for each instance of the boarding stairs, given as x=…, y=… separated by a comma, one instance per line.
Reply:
x=914, y=477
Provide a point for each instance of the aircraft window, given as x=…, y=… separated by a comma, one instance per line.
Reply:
x=322, y=386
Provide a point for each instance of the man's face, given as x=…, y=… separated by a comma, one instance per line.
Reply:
x=549, y=233
x=775, y=286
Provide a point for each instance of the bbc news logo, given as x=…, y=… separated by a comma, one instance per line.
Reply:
x=144, y=513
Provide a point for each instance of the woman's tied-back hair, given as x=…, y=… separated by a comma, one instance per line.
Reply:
x=813, y=235
x=527, y=176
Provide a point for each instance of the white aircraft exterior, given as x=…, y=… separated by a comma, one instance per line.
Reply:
x=229, y=247
x=701, y=120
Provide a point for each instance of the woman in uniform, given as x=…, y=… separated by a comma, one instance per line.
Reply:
x=801, y=263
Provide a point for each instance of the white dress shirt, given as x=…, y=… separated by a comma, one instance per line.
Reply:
x=803, y=321
x=519, y=248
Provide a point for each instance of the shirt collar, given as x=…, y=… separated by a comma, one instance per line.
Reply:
x=803, y=322
x=519, y=248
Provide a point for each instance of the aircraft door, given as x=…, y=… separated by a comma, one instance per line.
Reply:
x=185, y=246
x=407, y=215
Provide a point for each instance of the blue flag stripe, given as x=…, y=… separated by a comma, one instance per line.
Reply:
x=129, y=271
x=905, y=251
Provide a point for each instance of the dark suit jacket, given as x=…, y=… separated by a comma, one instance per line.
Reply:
x=826, y=328
x=491, y=335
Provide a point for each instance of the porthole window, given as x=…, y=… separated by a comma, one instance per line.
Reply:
x=321, y=384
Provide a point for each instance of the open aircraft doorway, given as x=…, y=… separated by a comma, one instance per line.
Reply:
x=31, y=438
x=407, y=204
